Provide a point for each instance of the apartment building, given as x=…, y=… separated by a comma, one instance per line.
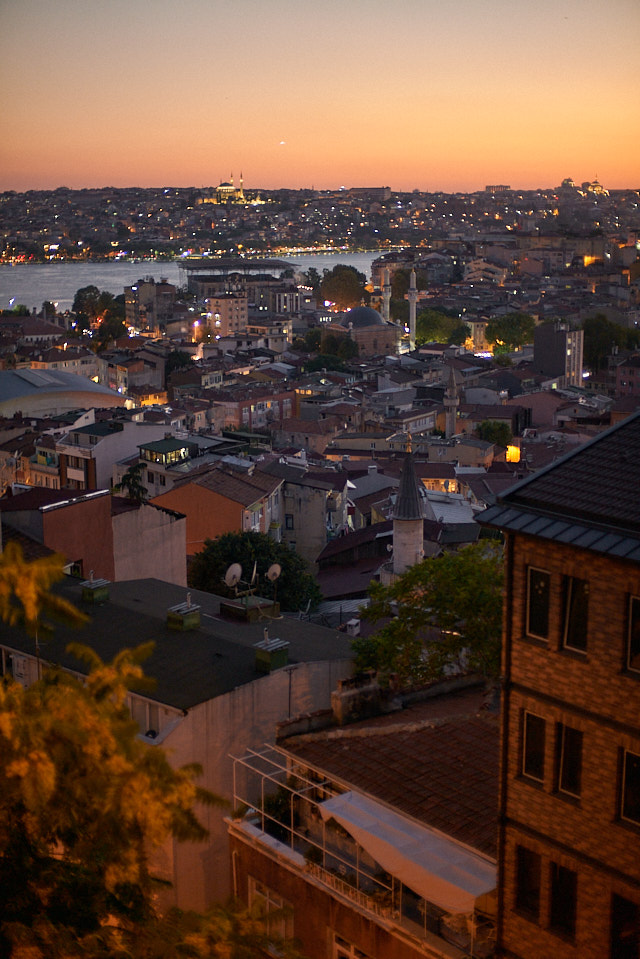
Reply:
x=569, y=842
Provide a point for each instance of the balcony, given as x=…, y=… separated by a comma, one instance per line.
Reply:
x=424, y=886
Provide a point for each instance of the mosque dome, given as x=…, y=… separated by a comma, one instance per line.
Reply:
x=361, y=317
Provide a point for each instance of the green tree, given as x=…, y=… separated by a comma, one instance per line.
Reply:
x=459, y=334
x=25, y=590
x=313, y=279
x=329, y=344
x=494, y=431
x=510, y=332
x=294, y=588
x=435, y=326
x=131, y=483
x=442, y=613
x=177, y=360
x=312, y=339
x=344, y=286
x=602, y=336
x=83, y=804
x=347, y=349
x=85, y=303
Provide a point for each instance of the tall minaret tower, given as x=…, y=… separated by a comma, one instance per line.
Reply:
x=413, y=299
x=386, y=297
x=408, y=517
x=451, y=402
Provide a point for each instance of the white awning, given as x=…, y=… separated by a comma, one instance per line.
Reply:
x=435, y=867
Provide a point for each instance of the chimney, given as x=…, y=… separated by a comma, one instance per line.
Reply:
x=271, y=653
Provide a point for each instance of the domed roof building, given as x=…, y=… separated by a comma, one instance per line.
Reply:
x=366, y=327
x=362, y=317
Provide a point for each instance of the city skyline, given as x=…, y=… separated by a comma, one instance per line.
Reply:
x=426, y=96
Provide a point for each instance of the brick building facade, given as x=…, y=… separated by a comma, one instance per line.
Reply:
x=569, y=842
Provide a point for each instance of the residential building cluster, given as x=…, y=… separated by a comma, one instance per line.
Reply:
x=115, y=222
x=369, y=822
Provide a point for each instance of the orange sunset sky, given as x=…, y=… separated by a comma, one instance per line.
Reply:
x=427, y=94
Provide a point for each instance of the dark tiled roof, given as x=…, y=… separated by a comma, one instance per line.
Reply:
x=436, y=762
x=589, y=498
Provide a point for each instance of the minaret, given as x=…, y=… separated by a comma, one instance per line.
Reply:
x=386, y=297
x=408, y=515
x=451, y=402
x=413, y=299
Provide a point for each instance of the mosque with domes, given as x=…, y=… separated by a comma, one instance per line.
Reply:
x=367, y=328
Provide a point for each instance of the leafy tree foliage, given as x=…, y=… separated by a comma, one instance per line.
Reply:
x=436, y=326
x=18, y=310
x=83, y=804
x=95, y=308
x=131, y=484
x=313, y=279
x=25, y=590
x=443, y=613
x=347, y=348
x=602, y=336
x=399, y=311
x=84, y=801
x=459, y=334
x=401, y=281
x=510, y=332
x=293, y=590
x=344, y=286
x=493, y=431
x=324, y=361
x=177, y=360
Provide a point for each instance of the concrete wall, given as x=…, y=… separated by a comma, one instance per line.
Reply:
x=227, y=726
x=150, y=543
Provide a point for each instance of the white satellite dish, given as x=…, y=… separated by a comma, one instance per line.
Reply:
x=273, y=572
x=233, y=575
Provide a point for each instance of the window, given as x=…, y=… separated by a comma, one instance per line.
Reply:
x=576, y=608
x=533, y=746
x=288, y=520
x=630, y=805
x=342, y=949
x=569, y=759
x=528, y=881
x=538, y=590
x=633, y=640
x=625, y=929
x=276, y=910
x=563, y=891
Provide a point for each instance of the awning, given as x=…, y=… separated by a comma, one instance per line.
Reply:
x=435, y=867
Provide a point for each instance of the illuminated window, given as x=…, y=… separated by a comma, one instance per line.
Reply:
x=538, y=593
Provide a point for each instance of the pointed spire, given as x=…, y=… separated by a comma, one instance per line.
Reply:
x=409, y=504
